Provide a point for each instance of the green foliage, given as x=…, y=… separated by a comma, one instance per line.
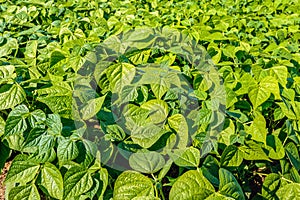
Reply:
x=68, y=113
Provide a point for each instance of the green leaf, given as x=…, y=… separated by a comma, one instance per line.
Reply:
x=140, y=57
x=280, y=73
x=56, y=56
x=2, y=126
x=128, y=93
x=92, y=107
x=188, y=157
x=31, y=51
x=146, y=136
x=274, y=147
x=229, y=185
x=7, y=48
x=87, y=152
x=115, y=133
x=293, y=154
x=191, y=185
x=135, y=114
x=218, y=196
x=258, y=128
x=146, y=198
x=58, y=98
x=119, y=75
x=159, y=89
x=132, y=184
x=258, y=95
x=271, y=84
x=6, y=73
x=146, y=162
x=52, y=180
x=37, y=118
x=11, y=95
x=253, y=151
x=76, y=182
x=54, y=124
x=231, y=98
x=179, y=124
x=141, y=34
x=33, y=138
x=231, y=157
x=47, y=156
x=158, y=110
x=215, y=36
x=46, y=143
x=247, y=82
x=66, y=150
x=259, y=73
x=163, y=172
x=289, y=192
x=16, y=121
x=15, y=142
x=295, y=175
x=21, y=170
x=288, y=93
x=270, y=186
x=227, y=133
x=26, y=192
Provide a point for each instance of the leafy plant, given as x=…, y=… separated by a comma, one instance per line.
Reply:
x=116, y=99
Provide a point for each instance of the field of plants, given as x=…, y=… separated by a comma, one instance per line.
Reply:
x=150, y=99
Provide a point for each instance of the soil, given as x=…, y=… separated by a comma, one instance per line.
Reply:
x=173, y=172
x=2, y=178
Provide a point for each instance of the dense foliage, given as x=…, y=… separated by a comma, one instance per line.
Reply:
x=70, y=117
